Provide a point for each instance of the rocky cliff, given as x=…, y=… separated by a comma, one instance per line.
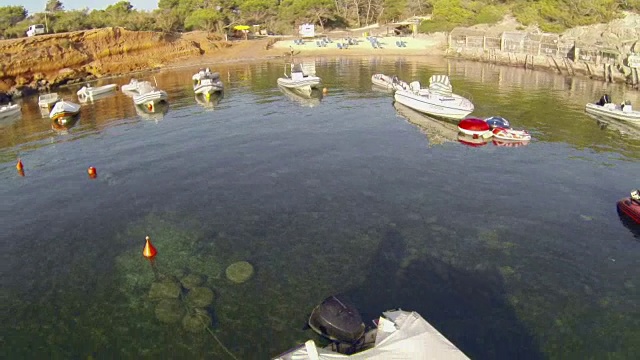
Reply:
x=29, y=64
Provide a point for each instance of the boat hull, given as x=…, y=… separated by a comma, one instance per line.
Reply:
x=631, y=208
x=309, y=82
x=615, y=113
x=455, y=107
x=63, y=109
x=9, y=110
x=153, y=98
x=388, y=82
x=91, y=91
x=208, y=88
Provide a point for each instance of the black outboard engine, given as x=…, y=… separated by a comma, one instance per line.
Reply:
x=604, y=100
x=338, y=320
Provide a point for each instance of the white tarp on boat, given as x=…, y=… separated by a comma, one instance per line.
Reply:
x=402, y=335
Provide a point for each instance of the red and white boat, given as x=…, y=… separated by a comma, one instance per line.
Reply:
x=509, y=143
x=510, y=134
x=474, y=128
x=631, y=206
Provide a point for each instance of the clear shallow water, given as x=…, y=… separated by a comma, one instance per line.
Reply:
x=509, y=252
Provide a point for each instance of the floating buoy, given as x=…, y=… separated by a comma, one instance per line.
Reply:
x=325, y=90
x=19, y=165
x=149, y=251
x=92, y=172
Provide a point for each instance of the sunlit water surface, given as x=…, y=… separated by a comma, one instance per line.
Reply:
x=511, y=252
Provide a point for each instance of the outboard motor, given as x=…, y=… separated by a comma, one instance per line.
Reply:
x=337, y=320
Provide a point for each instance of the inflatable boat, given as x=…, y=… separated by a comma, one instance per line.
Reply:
x=631, y=206
x=474, y=128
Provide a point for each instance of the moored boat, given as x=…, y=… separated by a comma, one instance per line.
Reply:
x=48, y=100
x=474, y=128
x=299, y=80
x=389, y=82
x=398, y=335
x=9, y=110
x=497, y=121
x=133, y=85
x=64, y=109
x=149, y=95
x=511, y=134
x=89, y=91
x=205, y=82
x=604, y=107
x=631, y=206
x=437, y=100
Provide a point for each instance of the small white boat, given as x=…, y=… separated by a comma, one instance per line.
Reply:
x=132, y=86
x=613, y=111
x=299, y=80
x=389, y=82
x=47, y=100
x=89, y=91
x=9, y=110
x=437, y=100
x=399, y=335
x=63, y=109
x=205, y=82
x=511, y=134
x=149, y=95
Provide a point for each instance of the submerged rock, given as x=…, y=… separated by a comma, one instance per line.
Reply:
x=170, y=311
x=200, y=297
x=191, y=281
x=196, y=321
x=164, y=290
x=239, y=272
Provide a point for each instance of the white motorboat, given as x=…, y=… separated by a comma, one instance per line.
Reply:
x=149, y=95
x=9, y=110
x=47, y=100
x=437, y=100
x=132, y=86
x=205, y=82
x=63, y=109
x=437, y=131
x=89, y=91
x=613, y=111
x=399, y=335
x=299, y=79
x=389, y=82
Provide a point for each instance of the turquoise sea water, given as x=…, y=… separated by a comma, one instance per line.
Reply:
x=511, y=252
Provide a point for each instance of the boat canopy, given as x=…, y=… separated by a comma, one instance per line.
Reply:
x=400, y=335
x=440, y=84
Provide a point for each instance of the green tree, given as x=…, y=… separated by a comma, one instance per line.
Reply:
x=205, y=19
x=72, y=21
x=10, y=16
x=54, y=6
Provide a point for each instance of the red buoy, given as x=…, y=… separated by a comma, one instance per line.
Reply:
x=149, y=250
x=92, y=172
x=19, y=165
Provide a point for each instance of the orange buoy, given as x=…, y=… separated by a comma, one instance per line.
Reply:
x=325, y=90
x=149, y=251
x=19, y=165
x=150, y=107
x=92, y=172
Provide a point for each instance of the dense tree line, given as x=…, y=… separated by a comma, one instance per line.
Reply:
x=282, y=16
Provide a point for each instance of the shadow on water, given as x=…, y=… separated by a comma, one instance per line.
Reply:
x=470, y=309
